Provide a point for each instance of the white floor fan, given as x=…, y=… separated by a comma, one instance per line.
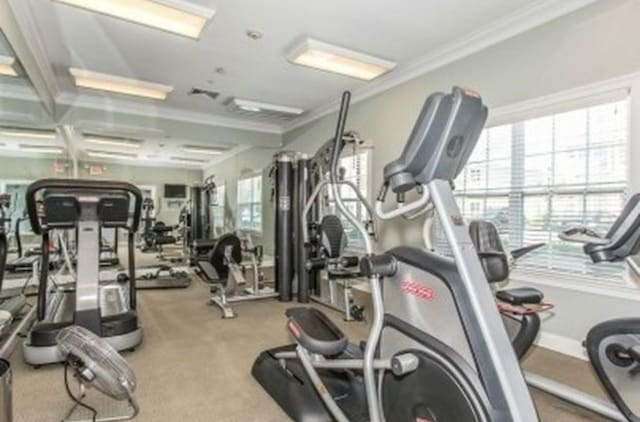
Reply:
x=96, y=364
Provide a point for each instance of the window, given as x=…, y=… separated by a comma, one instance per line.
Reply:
x=250, y=203
x=356, y=167
x=218, y=208
x=536, y=177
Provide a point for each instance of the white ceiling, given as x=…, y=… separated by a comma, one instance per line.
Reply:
x=406, y=32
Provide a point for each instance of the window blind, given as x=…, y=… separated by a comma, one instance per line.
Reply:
x=535, y=177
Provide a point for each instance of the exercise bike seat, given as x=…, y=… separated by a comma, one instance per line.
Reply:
x=521, y=296
x=315, y=332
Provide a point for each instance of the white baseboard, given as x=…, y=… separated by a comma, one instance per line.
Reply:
x=565, y=345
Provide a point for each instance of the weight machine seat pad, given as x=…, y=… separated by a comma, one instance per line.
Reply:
x=332, y=234
x=521, y=296
x=486, y=240
x=208, y=270
x=315, y=332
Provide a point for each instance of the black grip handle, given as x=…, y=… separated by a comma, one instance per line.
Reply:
x=383, y=265
x=98, y=185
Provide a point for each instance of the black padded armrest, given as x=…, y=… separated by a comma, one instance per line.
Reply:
x=521, y=296
x=315, y=332
x=582, y=235
x=520, y=252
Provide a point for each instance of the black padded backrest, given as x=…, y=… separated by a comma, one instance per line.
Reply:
x=623, y=235
x=332, y=236
x=217, y=255
x=486, y=240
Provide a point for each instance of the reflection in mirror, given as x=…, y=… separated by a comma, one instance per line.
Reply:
x=31, y=148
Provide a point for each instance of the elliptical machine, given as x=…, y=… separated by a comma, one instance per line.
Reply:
x=437, y=349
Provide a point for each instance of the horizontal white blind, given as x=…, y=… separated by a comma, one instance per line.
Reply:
x=536, y=177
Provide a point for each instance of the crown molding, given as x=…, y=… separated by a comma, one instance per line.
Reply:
x=164, y=112
x=534, y=14
x=208, y=167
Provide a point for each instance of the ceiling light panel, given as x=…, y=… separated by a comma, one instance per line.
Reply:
x=119, y=85
x=183, y=160
x=114, y=155
x=7, y=66
x=332, y=58
x=194, y=149
x=43, y=149
x=30, y=133
x=112, y=141
x=175, y=16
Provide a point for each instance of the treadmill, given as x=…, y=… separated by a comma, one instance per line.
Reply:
x=26, y=260
x=107, y=310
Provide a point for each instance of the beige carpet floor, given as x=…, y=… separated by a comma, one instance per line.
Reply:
x=193, y=366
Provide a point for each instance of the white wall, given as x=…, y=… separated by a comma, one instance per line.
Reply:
x=594, y=44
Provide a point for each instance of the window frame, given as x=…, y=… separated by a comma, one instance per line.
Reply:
x=239, y=227
x=626, y=87
x=220, y=206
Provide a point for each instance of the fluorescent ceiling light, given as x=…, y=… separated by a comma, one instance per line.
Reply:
x=6, y=66
x=116, y=155
x=323, y=56
x=176, y=16
x=113, y=141
x=202, y=150
x=31, y=133
x=44, y=149
x=257, y=107
x=192, y=161
x=120, y=85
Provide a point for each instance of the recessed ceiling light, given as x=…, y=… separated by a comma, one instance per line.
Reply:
x=30, y=133
x=202, y=150
x=323, y=56
x=7, y=66
x=176, y=16
x=257, y=107
x=187, y=160
x=113, y=141
x=107, y=154
x=44, y=149
x=118, y=84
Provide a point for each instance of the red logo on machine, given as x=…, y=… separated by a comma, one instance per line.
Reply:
x=415, y=289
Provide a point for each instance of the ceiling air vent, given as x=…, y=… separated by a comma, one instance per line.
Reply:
x=198, y=91
x=262, y=110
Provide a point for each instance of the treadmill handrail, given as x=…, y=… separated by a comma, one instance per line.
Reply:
x=98, y=185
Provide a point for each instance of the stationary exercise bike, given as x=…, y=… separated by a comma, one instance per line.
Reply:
x=437, y=349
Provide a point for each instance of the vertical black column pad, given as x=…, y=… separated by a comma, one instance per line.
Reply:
x=284, y=226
